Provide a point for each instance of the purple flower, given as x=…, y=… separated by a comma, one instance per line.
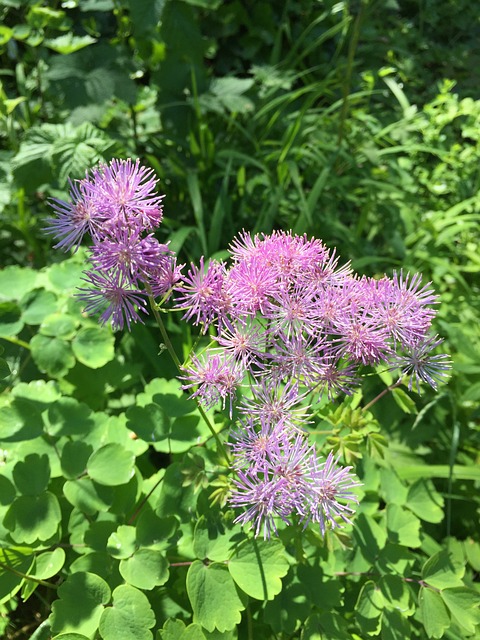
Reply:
x=330, y=487
x=216, y=377
x=114, y=295
x=421, y=365
x=203, y=294
x=126, y=192
x=76, y=218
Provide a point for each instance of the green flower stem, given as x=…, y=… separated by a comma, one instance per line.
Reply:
x=167, y=342
x=44, y=583
x=382, y=393
x=17, y=341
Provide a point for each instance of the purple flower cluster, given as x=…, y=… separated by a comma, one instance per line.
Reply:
x=288, y=326
x=291, y=324
x=117, y=206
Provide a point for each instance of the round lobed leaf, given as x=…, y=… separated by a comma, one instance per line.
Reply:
x=257, y=567
x=130, y=617
x=32, y=518
x=82, y=598
x=94, y=347
x=146, y=569
x=32, y=475
x=215, y=600
x=111, y=465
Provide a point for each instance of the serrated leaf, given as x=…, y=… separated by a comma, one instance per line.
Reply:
x=257, y=567
x=94, y=347
x=394, y=625
x=463, y=604
x=129, y=618
x=440, y=572
x=433, y=613
x=403, y=527
x=214, y=598
x=111, y=465
x=425, y=501
x=212, y=539
x=82, y=598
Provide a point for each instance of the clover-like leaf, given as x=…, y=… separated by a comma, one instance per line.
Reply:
x=433, y=613
x=122, y=543
x=82, y=598
x=440, y=572
x=93, y=347
x=464, y=605
x=257, y=567
x=88, y=496
x=403, y=527
x=215, y=600
x=369, y=607
x=32, y=518
x=130, y=617
x=32, y=475
x=111, y=465
x=425, y=501
x=52, y=355
x=145, y=569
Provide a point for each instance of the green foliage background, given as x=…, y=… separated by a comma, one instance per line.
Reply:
x=355, y=122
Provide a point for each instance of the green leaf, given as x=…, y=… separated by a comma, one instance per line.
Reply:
x=88, y=496
x=74, y=457
x=369, y=607
x=440, y=572
x=394, y=625
x=146, y=569
x=403, y=527
x=70, y=636
x=52, y=355
x=82, y=598
x=32, y=475
x=15, y=282
x=49, y=563
x=463, y=604
x=212, y=539
x=111, y=465
x=11, y=323
x=433, y=613
x=369, y=537
x=65, y=276
x=39, y=304
x=22, y=420
x=32, y=518
x=68, y=43
x=130, y=617
x=397, y=594
x=214, y=598
x=425, y=501
x=257, y=567
x=14, y=563
x=122, y=543
x=94, y=346
x=393, y=489
x=404, y=401
x=59, y=325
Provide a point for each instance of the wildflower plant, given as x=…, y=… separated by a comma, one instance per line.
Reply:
x=288, y=325
x=285, y=329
